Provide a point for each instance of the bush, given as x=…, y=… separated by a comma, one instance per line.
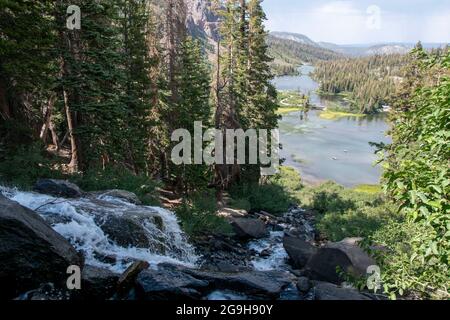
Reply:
x=198, y=215
x=268, y=197
x=342, y=213
x=417, y=175
x=275, y=196
x=404, y=271
x=114, y=177
x=26, y=164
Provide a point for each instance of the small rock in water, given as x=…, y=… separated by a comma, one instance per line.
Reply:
x=303, y=284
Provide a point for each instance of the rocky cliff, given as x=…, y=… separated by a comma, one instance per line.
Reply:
x=202, y=20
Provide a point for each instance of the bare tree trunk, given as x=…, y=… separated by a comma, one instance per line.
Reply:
x=74, y=161
x=48, y=124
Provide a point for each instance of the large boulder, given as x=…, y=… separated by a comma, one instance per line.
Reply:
x=333, y=259
x=131, y=229
x=125, y=232
x=168, y=284
x=299, y=251
x=329, y=291
x=31, y=252
x=248, y=228
x=58, y=188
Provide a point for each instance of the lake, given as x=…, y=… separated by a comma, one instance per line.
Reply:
x=336, y=150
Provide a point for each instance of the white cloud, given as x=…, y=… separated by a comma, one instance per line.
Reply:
x=347, y=22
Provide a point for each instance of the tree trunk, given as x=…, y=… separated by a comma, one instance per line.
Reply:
x=74, y=161
x=5, y=110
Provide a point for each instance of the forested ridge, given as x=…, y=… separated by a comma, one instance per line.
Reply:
x=369, y=81
x=289, y=54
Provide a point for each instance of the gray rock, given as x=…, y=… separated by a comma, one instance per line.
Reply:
x=121, y=194
x=125, y=232
x=168, y=283
x=298, y=250
x=303, y=284
x=329, y=291
x=247, y=228
x=348, y=258
x=128, y=230
x=98, y=283
x=31, y=252
x=58, y=188
x=268, y=284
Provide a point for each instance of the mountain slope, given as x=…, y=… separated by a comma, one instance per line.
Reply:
x=288, y=54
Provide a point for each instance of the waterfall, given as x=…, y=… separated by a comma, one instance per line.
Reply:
x=93, y=225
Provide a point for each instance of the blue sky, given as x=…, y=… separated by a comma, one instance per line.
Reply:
x=362, y=21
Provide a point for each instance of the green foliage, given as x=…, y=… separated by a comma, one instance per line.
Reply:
x=405, y=271
x=416, y=173
x=96, y=179
x=198, y=215
x=23, y=166
x=268, y=197
x=342, y=213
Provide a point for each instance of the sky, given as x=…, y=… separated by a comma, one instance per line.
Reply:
x=362, y=21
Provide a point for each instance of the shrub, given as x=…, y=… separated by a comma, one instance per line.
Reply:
x=26, y=164
x=197, y=215
x=342, y=213
x=404, y=270
x=114, y=177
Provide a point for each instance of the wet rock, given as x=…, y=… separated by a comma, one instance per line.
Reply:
x=46, y=292
x=58, y=188
x=131, y=230
x=54, y=218
x=290, y=294
x=168, y=284
x=98, y=283
x=348, y=258
x=267, y=284
x=303, y=284
x=329, y=291
x=121, y=194
x=247, y=228
x=31, y=252
x=125, y=232
x=299, y=251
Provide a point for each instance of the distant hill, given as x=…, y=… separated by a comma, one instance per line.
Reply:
x=357, y=50
x=290, y=51
x=300, y=38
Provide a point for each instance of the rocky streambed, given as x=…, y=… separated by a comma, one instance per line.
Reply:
x=128, y=251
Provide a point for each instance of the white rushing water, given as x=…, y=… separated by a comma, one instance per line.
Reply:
x=79, y=220
x=276, y=256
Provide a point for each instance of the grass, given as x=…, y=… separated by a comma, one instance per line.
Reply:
x=368, y=188
x=334, y=115
x=290, y=101
x=342, y=212
x=287, y=110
